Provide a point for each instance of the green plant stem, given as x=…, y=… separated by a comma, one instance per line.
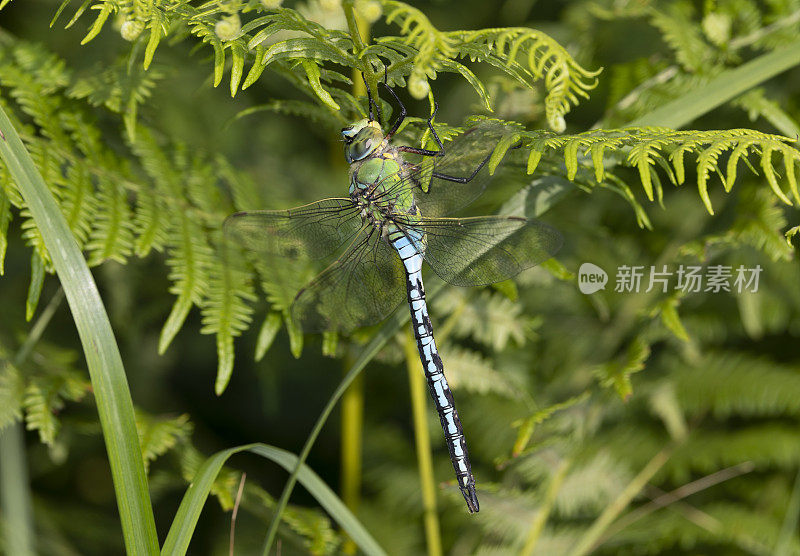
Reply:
x=15, y=496
x=109, y=383
x=353, y=400
x=610, y=513
x=356, y=26
x=352, y=25
x=540, y=517
x=352, y=434
x=419, y=396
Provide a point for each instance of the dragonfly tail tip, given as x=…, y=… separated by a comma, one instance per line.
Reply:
x=471, y=498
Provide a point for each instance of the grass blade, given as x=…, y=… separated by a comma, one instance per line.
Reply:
x=721, y=89
x=185, y=521
x=103, y=360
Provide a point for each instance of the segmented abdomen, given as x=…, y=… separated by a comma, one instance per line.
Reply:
x=409, y=246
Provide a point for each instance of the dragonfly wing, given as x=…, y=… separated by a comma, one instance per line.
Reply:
x=361, y=287
x=487, y=249
x=312, y=231
x=467, y=153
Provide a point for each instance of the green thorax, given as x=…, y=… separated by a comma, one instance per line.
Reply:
x=376, y=170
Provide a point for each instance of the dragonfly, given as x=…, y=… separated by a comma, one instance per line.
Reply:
x=396, y=216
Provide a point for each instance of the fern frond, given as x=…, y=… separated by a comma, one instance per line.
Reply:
x=588, y=487
x=12, y=391
x=313, y=526
x=727, y=527
x=646, y=147
x=736, y=385
x=617, y=373
x=528, y=425
x=759, y=222
x=489, y=318
x=683, y=36
x=112, y=236
x=470, y=371
x=564, y=79
x=710, y=450
x=158, y=435
x=40, y=405
x=227, y=311
x=78, y=202
x=120, y=88
x=527, y=55
x=758, y=104
x=189, y=262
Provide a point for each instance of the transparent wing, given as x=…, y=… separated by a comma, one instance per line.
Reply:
x=467, y=153
x=311, y=231
x=486, y=249
x=361, y=287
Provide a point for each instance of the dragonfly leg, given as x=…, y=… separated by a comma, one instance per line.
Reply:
x=427, y=152
x=400, y=118
x=370, y=101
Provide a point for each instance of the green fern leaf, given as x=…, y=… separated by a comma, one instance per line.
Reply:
x=617, y=373
x=678, y=30
x=41, y=402
x=469, y=370
x=159, y=435
x=12, y=391
x=490, y=318
x=105, y=10
x=270, y=328
x=226, y=311
x=112, y=236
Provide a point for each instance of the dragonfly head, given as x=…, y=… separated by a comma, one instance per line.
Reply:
x=361, y=139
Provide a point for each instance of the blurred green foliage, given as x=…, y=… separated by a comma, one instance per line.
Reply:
x=567, y=399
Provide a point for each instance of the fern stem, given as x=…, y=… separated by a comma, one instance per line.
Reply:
x=540, y=518
x=353, y=26
x=610, y=513
x=422, y=440
x=352, y=435
x=353, y=400
x=357, y=26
